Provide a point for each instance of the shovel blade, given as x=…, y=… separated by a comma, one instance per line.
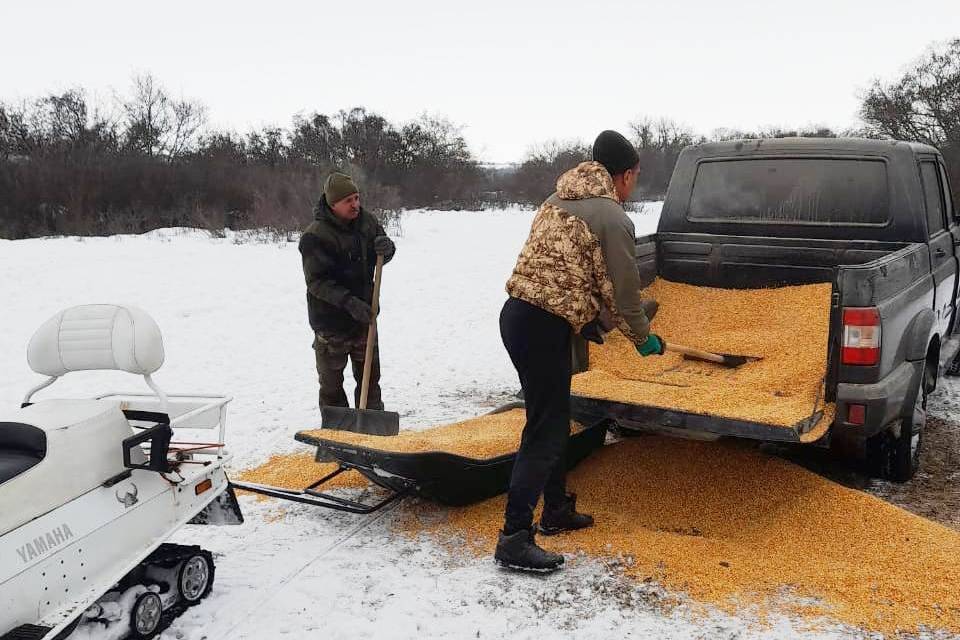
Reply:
x=730, y=360
x=368, y=421
x=733, y=361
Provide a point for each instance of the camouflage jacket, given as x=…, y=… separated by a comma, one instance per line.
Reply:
x=580, y=256
x=338, y=262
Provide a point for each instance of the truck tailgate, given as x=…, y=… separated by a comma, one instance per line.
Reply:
x=633, y=416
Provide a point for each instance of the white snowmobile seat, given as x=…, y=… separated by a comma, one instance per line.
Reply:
x=83, y=438
x=21, y=447
x=97, y=336
x=84, y=448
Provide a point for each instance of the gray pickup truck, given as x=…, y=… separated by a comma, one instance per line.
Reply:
x=874, y=218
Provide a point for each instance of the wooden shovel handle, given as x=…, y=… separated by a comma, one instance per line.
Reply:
x=371, y=333
x=695, y=353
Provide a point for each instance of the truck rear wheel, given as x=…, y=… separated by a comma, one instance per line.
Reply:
x=898, y=457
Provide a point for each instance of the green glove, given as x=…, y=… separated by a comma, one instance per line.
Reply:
x=653, y=345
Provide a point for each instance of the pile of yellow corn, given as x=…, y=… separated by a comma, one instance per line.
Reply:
x=736, y=528
x=298, y=470
x=787, y=327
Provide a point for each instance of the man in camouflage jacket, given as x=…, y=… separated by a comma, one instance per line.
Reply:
x=339, y=250
x=579, y=262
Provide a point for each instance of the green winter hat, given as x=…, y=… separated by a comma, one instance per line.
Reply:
x=338, y=186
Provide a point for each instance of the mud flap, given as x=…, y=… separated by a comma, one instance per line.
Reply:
x=223, y=510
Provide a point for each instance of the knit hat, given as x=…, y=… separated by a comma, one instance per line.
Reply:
x=338, y=186
x=615, y=152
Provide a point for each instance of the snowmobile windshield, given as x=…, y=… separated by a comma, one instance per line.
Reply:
x=793, y=191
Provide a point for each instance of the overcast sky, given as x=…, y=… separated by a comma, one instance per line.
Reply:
x=513, y=73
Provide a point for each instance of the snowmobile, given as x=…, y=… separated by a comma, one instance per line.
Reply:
x=90, y=489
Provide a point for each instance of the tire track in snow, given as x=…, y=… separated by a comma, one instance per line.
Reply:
x=256, y=604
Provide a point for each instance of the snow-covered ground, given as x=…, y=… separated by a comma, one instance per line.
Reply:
x=234, y=319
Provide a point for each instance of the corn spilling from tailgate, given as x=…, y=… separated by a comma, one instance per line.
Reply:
x=736, y=528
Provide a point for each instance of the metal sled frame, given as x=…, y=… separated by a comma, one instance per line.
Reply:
x=312, y=496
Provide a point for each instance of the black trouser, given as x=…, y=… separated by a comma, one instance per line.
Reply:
x=539, y=346
x=332, y=352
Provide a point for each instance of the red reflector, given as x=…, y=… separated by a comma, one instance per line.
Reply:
x=856, y=413
x=852, y=355
x=203, y=485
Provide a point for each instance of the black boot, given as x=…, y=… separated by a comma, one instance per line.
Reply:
x=563, y=517
x=519, y=551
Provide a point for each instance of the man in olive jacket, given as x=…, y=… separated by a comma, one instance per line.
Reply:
x=339, y=250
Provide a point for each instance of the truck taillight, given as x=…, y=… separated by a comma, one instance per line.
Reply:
x=861, y=336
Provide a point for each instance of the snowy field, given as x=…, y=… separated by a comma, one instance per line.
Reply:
x=234, y=320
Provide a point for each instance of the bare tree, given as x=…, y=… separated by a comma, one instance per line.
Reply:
x=267, y=147
x=659, y=142
x=316, y=141
x=65, y=115
x=15, y=139
x=188, y=118
x=923, y=105
x=157, y=124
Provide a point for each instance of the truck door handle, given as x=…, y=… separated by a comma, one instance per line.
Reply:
x=940, y=253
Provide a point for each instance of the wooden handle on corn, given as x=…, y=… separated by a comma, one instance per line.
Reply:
x=696, y=353
x=371, y=333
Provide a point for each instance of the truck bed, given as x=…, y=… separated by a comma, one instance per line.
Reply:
x=783, y=389
x=860, y=274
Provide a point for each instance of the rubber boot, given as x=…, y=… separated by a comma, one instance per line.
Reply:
x=520, y=551
x=564, y=517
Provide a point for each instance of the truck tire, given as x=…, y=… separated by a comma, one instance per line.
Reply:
x=897, y=458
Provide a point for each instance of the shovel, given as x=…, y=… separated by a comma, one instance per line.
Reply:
x=725, y=359
x=361, y=419
x=650, y=307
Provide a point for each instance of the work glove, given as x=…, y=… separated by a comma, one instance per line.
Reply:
x=358, y=310
x=654, y=345
x=593, y=331
x=383, y=246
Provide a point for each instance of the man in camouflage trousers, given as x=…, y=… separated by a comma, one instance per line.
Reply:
x=339, y=250
x=577, y=266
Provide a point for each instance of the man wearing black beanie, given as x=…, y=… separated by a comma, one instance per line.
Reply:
x=617, y=156
x=579, y=262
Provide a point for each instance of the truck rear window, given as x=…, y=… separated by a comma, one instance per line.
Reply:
x=791, y=191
